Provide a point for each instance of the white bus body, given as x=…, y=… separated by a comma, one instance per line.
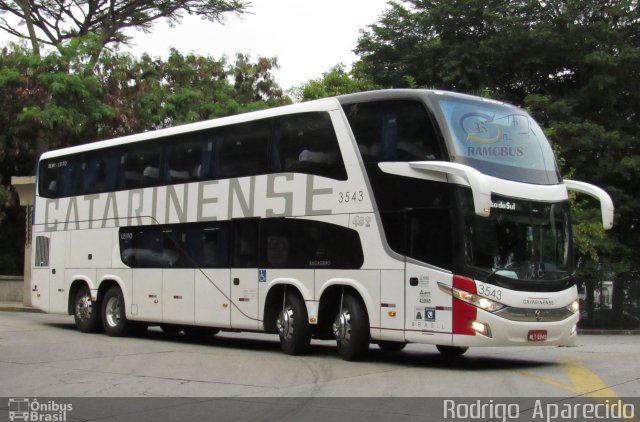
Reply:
x=378, y=217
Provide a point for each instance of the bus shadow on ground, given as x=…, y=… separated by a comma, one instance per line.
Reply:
x=426, y=357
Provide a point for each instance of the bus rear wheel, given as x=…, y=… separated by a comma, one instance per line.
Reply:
x=451, y=351
x=351, y=328
x=114, y=320
x=86, y=313
x=293, y=325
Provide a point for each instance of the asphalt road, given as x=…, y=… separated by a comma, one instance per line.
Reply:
x=44, y=356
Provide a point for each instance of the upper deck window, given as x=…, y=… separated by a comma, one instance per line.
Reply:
x=498, y=140
x=296, y=143
x=397, y=130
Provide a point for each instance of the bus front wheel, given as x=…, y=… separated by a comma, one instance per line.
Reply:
x=293, y=325
x=351, y=328
x=114, y=320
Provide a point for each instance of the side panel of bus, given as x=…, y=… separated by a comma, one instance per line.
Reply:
x=178, y=291
x=429, y=312
x=57, y=283
x=40, y=271
x=147, y=296
x=212, y=293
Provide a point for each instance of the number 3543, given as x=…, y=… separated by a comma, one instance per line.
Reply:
x=487, y=291
x=350, y=196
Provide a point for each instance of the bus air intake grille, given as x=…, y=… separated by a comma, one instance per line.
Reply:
x=534, y=315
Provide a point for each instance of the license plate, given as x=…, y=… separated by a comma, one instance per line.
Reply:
x=537, y=335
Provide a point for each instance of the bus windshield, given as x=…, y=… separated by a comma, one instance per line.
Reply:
x=520, y=240
x=498, y=140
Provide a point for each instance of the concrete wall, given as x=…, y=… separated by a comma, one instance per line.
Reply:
x=11, y=288
x=25, y=187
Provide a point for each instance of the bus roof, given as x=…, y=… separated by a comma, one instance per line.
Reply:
x=325, y=104
x=400, y=94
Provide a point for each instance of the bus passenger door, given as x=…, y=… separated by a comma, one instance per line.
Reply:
x=57, y=288
x=244, y=274
x=428, y=245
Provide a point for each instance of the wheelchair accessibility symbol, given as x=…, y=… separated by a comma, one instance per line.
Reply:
x=262, y=276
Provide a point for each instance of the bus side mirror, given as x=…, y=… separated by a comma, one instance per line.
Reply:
x=445, y=171
x=606, y=204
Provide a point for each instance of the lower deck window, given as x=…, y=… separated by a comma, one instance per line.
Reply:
x=248, y=243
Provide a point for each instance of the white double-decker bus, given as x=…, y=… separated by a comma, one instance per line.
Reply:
x=386, y=217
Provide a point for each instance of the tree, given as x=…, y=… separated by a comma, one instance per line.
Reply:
x=44, y=104
x=336, y=81
x=48, y=102
x=575, y=64
x=56, y=23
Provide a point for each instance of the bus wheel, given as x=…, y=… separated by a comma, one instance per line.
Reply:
x=391, y=346
x=86, y=312
x=451, y=351
x=351, y=329
x=293, y=325
x=114, y=320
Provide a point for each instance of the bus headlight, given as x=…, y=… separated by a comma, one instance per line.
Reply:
x=481, y=327
x=574, y=306
x=475, y=300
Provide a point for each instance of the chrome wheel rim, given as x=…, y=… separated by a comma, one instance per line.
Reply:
x=342, y=327
x=286, y=323
x=112, y=312
x=84, y=308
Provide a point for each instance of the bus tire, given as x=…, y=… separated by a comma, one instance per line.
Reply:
x=451, y=351
x=391, y=346
x=86, y=312
x=114, y=320
x=351, y=329
x=293, y=325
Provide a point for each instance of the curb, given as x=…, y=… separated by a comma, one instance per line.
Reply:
x=18, y=307
x=597, y=332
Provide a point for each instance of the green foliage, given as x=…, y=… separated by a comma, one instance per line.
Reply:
x=67, y=97
x=50, y=101
x=3, y=196
x=336, y=81
x=575, y=64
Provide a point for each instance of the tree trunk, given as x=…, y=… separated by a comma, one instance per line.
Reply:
x=26, y=10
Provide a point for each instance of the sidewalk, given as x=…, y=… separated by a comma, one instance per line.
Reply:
x=17, y=307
